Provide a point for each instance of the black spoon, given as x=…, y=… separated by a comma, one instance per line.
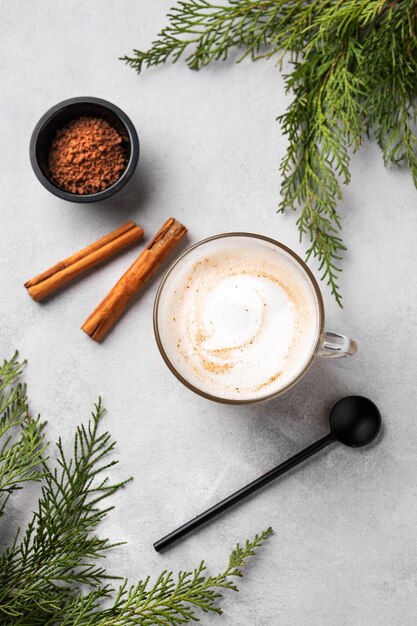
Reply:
x=354, y=421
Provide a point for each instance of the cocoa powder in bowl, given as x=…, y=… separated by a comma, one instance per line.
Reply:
x=86, y=156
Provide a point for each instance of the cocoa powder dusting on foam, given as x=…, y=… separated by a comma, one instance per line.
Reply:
x=270, y=380
x=86, y=156
x=215, y=368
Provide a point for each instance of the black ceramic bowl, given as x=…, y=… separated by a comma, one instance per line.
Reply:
x=60, y=115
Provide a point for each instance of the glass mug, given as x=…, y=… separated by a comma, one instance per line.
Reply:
x=166, y=311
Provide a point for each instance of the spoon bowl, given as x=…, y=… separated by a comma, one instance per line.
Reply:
x=355, y=421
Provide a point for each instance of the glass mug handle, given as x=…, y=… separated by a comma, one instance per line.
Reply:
x=334, y=345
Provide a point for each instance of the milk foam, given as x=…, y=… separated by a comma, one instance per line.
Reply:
x=238, y=318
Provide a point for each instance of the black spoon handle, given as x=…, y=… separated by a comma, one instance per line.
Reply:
x=243, y=493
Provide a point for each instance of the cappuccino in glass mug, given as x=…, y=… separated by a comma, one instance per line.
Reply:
x=239, y=318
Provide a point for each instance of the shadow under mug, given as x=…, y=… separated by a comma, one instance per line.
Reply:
x=327, y=344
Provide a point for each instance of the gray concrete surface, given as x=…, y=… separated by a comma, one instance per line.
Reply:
x=344, y=551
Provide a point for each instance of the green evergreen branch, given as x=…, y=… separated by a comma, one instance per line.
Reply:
x=41, y=573
x=354, y=64
x=22, y=444
x=211, y=30
x=58, y=548
x=170, y=600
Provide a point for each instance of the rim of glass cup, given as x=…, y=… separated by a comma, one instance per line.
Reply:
x=320, y=307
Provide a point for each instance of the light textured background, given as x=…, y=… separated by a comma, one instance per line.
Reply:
x=344, y=551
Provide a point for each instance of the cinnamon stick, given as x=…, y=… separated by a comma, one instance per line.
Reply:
x=111, y=308
x=63, y=272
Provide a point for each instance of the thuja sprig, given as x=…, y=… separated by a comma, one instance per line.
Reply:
x=22, y=445
x=178, y=599
x=52, y=574
x=353, y=66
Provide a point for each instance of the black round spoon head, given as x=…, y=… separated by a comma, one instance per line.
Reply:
x=355, y=421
